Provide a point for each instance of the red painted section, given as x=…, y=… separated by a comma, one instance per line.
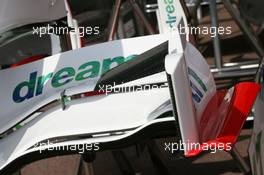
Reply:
x=211, y=119
x=224, y=117
x=244, y=98
x=28, y=60
x=82, y=43
x=93, y=93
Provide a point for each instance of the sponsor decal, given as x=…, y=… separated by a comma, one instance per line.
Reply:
x=35, y=84
x=170, y=10
x=197, y=94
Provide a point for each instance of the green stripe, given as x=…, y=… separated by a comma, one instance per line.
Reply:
x=198, y=79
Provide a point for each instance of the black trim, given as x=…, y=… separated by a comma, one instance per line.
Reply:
x=175, y=113
x=148, y=63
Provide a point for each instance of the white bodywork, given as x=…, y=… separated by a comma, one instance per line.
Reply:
x=127, y=113
x=13, y=112
x=171, y=17
x=106, y=117
x=189, y=111
x=15, y=13
x=96, y=115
